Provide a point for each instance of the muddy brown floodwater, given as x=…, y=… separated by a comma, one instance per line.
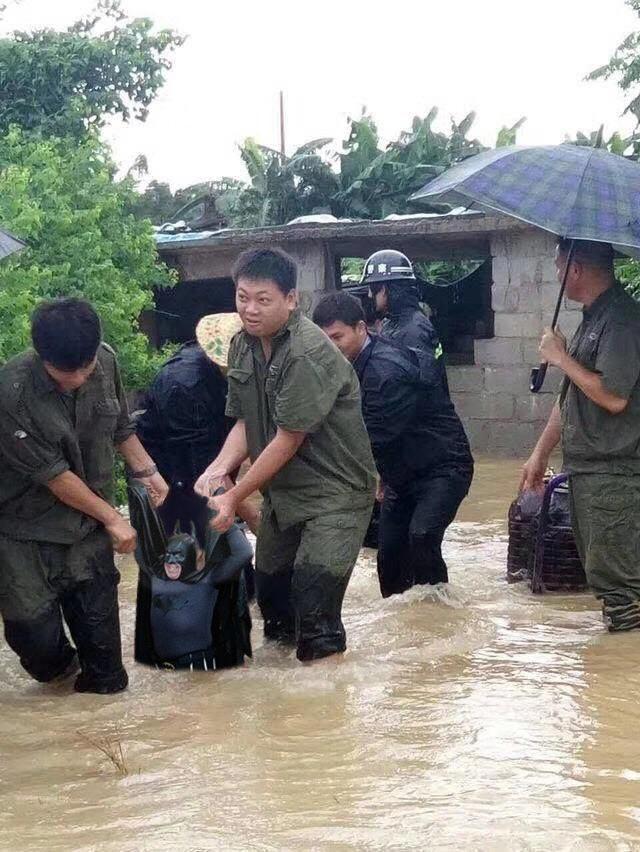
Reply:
x=477, y=718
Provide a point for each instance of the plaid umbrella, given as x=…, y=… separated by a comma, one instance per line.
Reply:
x=574, y=192
x=9, y=244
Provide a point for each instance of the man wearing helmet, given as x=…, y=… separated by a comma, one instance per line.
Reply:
x=393, y=287
x=418, y=442
x=414, y=514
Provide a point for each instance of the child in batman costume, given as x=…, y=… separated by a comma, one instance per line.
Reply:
x=193, y=610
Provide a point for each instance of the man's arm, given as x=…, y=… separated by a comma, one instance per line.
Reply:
x=388, y=409
x=591, y=385
x=71, y=490
x=534, y=469
x=231, y=456
x=271, y=460
x=553, y=351
x=138, y=459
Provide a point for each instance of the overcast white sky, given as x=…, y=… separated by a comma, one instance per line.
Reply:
x=501, y=58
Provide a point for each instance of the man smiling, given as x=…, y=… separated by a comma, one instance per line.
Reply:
x=297, y=403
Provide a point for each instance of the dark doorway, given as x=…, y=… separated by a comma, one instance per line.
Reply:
x=179, y=308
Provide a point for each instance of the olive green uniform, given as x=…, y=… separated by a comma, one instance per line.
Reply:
x=54, y=559
x=317, y=508
x=602, y=456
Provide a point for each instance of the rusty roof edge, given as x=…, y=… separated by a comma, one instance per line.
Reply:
x=465, y=224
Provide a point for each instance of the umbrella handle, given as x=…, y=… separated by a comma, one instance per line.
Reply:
x=538, y=374
x=537, y=378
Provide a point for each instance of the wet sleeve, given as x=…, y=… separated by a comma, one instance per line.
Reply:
x=125, y=427
x=388, y=408
x=306, y=396
x=24, y=449
x=618, y=358
x=233, y=407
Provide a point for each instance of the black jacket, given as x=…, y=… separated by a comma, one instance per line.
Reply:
x=184, y=425
x=412, y=425
x=407, y=325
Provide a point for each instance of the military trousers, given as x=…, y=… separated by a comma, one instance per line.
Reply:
x=606, y=525
x=412, y=525
x=42, y=583
x=302, y=573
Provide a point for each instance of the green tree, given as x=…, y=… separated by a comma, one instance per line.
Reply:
x=156, y=203
x=384, y=183
x=628, y=272
x=624, y=65
x=361, y=181
x=62, y=83
x=625, y=146
x=282, y=187
x=65, y=202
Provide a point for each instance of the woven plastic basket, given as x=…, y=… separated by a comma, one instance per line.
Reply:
x=557, y=566
x=542, y=547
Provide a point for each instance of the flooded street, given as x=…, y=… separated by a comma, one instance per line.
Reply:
x=479, y=717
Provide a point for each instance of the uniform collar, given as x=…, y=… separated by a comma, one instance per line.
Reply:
x=45, y=384
x=42, y=380
x=291, y=325
x=602, y=302
x=362, y=360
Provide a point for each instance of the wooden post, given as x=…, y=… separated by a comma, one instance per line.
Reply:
x=282, y=149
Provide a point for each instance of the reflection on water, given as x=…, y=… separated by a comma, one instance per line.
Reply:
x=476, y=717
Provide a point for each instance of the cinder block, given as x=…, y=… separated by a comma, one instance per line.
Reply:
x=537, y=243
x=516, y=269
x=530, y=298
x=532, y=242
x=514, y=380
x=535, y=408
x=499, y=351
x=505, y=298
x=465, y=379
x=513, y=438
x=501, y=270
x=478, y=435
x=484, y=406
x=530, y=350
x=517, y=325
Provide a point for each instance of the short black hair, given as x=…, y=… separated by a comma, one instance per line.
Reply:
x=589, y=253
x=338, y=307
x=272, y=264
x=66, y=333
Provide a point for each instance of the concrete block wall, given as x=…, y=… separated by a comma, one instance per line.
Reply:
x=501, y=415
x=315, y=272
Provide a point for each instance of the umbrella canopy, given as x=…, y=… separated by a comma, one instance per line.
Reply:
x=9, y=244
x=575, y=192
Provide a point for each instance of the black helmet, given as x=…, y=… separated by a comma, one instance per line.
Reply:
x=386, y=266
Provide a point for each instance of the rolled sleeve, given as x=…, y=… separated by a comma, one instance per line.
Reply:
x=235, y=376
x=305, y=397
x=618, y=358
x=233, y=406
x=24, y=450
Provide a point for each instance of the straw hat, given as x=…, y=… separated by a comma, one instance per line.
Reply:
x=214, y=333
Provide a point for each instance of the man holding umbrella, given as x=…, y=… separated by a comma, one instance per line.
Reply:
x=597, y=418
x=592, y=199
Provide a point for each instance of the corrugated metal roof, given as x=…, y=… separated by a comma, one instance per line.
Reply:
x=469, y=223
